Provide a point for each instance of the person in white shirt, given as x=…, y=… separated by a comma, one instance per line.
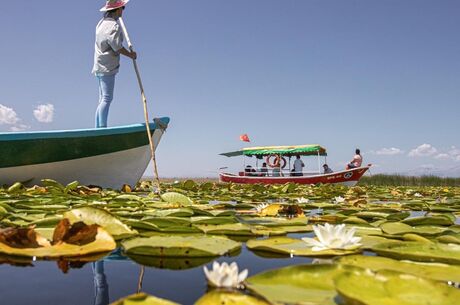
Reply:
x=357, y=160
x=108, y=47
x=298, y=166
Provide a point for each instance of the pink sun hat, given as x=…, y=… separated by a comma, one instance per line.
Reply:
x=113, y=5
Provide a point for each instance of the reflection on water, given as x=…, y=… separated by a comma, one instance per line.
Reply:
x=44, y=283
x=101, y=288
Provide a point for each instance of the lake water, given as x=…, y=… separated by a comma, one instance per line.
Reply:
x=44, y=283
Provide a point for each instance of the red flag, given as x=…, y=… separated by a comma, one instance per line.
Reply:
x=244, y=138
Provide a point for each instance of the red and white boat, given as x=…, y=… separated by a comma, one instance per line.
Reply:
x=280, y=157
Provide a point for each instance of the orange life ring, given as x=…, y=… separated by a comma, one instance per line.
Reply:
x=276, y=162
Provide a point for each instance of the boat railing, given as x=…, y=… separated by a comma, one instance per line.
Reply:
x=283, y=173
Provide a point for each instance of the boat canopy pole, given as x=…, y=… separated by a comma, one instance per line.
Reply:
x=319, y=163
x=144, y=100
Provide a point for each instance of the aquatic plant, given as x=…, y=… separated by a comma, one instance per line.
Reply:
x=339, y=199
x=303, y=200
x=333, y=237
x=225, y=275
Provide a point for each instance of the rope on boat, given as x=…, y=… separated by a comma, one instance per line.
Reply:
x=146, y=114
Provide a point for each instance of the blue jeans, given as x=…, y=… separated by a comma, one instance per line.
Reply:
x=106, y=87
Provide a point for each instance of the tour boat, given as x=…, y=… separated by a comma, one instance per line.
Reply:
x=279, y=154
x=106, y=157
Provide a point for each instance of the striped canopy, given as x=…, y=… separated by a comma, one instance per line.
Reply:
x=303, y=150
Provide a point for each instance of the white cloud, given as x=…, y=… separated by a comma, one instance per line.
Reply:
x=454, y=153
x=44, y=113
x=442, y=156
x=424, y=150
x=19, y=127
x=8, y=115
x=389, y=151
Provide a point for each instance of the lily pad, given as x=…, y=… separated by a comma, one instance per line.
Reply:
x=227, y=229
x=302, y=284
x=388, y=288
x=97, y=216
x=292, y=246
x=103, y=242
x=420, y=251
x=143, y=299
x=183, y=212
x=172, y=263
x=223, y=297
x=434, y=271
x=432, y=220
x=173, y=197
x=181, y=246
x=398, y=228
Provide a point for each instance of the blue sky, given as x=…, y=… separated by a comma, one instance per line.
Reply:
x=379, y=75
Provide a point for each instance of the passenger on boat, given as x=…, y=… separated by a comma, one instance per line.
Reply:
x=276, y=172
x=248, y=170
x=108, y=47
x=327, y=169
x=264, y=170
x=298, y=166
x=357, y=160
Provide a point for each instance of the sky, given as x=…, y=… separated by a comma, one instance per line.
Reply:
x=382, y=76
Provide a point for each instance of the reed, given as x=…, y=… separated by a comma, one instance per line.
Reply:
x=400, y=180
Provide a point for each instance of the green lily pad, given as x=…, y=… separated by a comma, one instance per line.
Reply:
x=275, y=221
x=224, y=297
x=173, y=197
x=388, y=288
x=172, y=263
x=432, y=220
x=168, y=221
x=141, y=225
x=181, y=246
x=302, y=284
x=398, y=228
x=420, y=251
x=106, y=220
x=213, y=220
x=368, y=241
x=292, y=246
x=143, y=299
x=227, y=229
x=434, y=271
x=183, y=212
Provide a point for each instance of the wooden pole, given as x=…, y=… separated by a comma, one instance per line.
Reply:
x=144, y=101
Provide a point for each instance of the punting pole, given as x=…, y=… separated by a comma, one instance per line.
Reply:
x=144, y=100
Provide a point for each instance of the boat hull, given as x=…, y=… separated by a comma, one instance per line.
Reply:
x=347, y=177
x=109, y=158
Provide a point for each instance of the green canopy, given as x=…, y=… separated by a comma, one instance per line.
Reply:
x=303, y=150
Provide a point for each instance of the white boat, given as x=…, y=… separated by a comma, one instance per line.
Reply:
x=107, y=157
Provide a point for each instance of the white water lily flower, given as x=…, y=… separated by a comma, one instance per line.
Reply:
x=260, y=207
x=339, y=199
x=333, y=237
x=303, y=200
x=225, y=275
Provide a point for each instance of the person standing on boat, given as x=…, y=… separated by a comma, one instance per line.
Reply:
x=108, y=47
x=357, y=160
x=298, y=166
